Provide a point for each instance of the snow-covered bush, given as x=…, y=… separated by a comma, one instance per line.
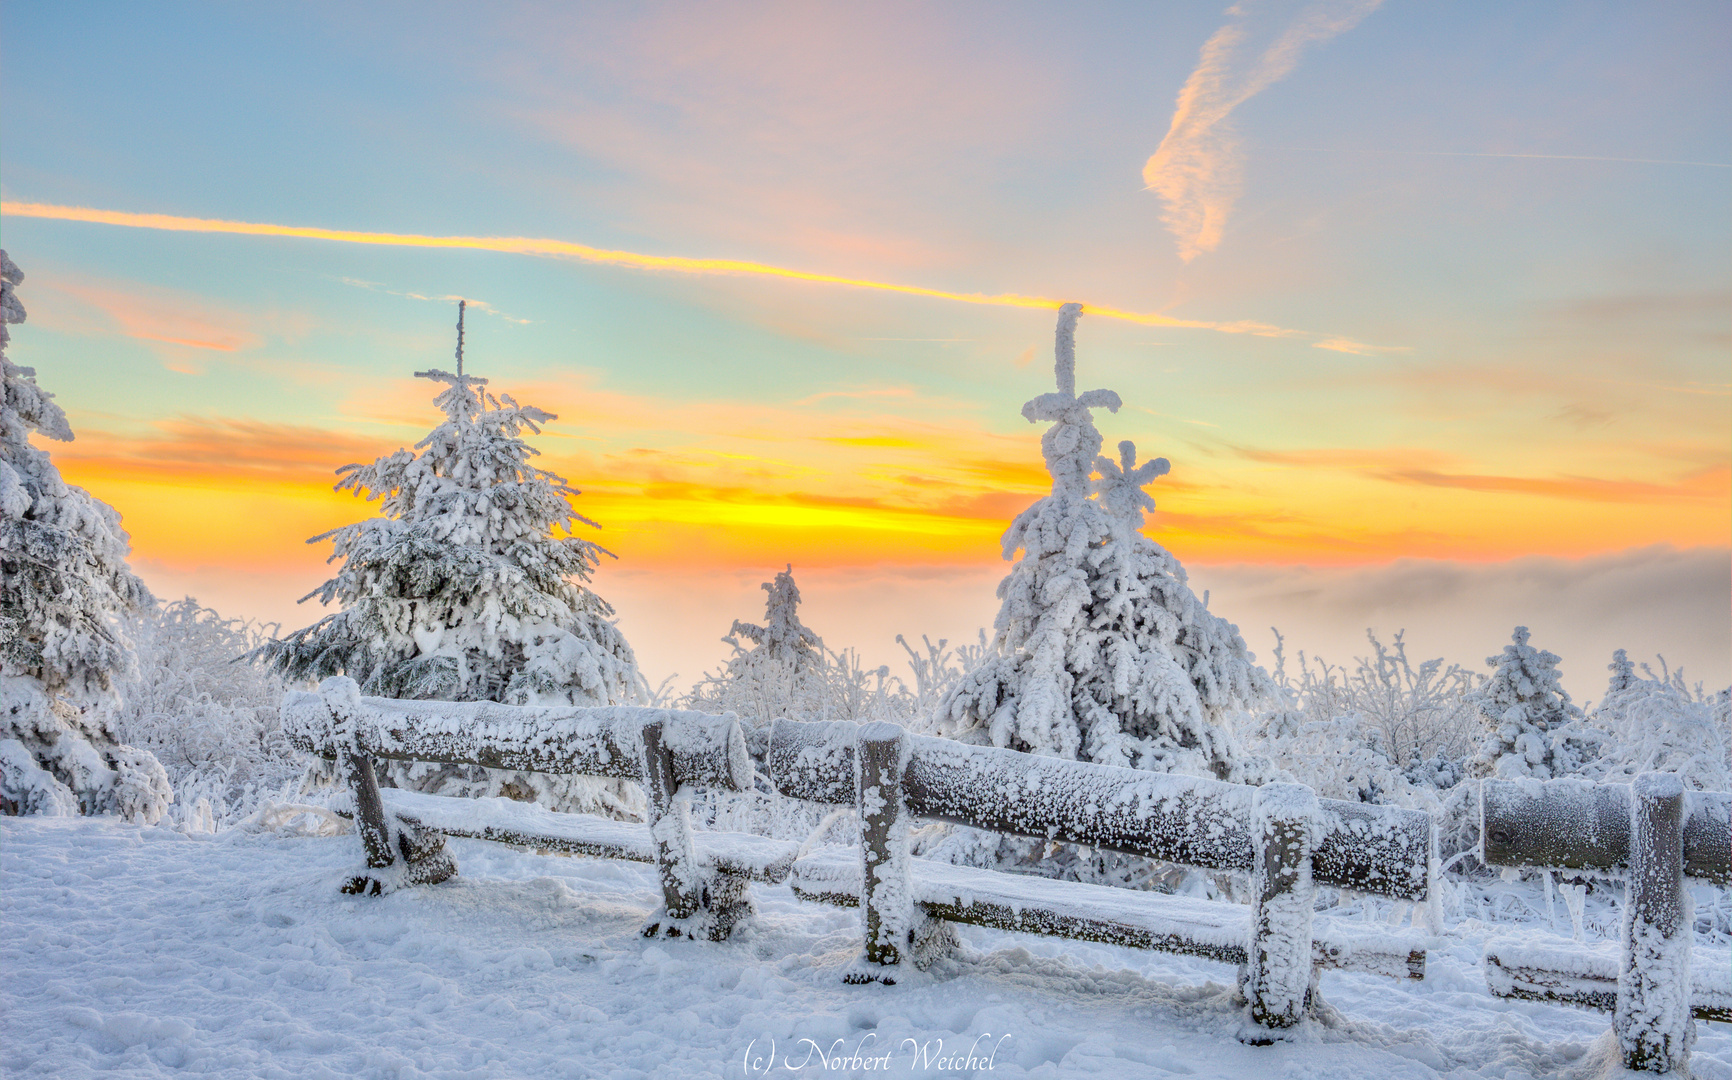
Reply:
x=65, y=590
x=470, y=586
x=1372, y=732
x=1102, y=652
x=209, y=717
x=1656, y=723
x=789, y=671
x=1526, y=708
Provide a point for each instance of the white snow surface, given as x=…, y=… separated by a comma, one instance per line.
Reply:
x=134, y=950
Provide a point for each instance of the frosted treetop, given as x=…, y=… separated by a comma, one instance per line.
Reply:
x=1070, y=445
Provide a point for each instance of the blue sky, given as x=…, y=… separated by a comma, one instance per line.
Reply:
x=1537, y=339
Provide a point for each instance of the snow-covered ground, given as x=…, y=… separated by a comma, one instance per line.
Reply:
x=142, y=951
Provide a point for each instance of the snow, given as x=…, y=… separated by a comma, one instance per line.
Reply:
x=136, y=951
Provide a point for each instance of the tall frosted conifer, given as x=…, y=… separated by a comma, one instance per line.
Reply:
x=66, y=585
x=469, y=585
x=1101, y=652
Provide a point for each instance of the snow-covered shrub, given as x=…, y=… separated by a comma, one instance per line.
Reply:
x=470, y=586
x=65, y=590
x=209, y=717
x=782, y=672
x=1101, y=651
x=937, y=671
x=1526, y=708
x=1371, y=732
x=1656, y=723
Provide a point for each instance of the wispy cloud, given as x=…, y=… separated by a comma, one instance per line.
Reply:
x=479, y=305
x=1705, y=485
x=1196, y=169
x=148, y=313
x=1359, y=348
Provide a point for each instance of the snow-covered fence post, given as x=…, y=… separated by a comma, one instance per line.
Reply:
x=423, y=850
x=1653, y=834
x=1652, y=1017
x=342, y=698
x=1279, y=962
x=886, y=896
x=671, y=829
x=369, y=812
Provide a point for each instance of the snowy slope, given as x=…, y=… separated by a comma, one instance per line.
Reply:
x=139, y=951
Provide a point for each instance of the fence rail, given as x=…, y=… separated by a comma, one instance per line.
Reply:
x=1652, y=833
x=705, y=892
x=1386, y=850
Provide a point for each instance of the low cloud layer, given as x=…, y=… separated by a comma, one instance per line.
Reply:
x=1647, y=600
x=1653, y=600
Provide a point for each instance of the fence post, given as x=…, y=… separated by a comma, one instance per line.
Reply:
x=671, y=831
x=369, y=816
x=423, y=850
x=1652, y=1016
x=1278, y=968
x=886, y=895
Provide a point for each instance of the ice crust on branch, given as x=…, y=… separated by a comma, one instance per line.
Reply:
x=67, y=589
x=469, y=585
x=1102, y=651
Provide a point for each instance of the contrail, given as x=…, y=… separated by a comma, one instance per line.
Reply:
x=521, y=245
x=1535, y=157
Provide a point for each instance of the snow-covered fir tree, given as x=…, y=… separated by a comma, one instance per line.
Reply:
x=66, y=590
x=784, y=672
x=1101, y=649
x=1167, y=671
x=469, y=585
x=1022, y=695
x=1526, y=708
x=787, y=670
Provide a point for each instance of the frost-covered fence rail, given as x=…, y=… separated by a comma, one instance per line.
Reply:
x=1287, y=838
x=1655, y=835
x=704, y=878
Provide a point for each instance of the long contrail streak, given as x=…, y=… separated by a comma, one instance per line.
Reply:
x=1535, y=157
x=521, y=245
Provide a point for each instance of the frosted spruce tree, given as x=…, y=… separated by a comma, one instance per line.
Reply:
x=783, y=673
x=1167, y=671
x=1101, y=650
x=65, y=592
x=1526, y=708
x=468, y=586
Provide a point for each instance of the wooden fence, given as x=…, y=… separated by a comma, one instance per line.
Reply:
x=704, y=877
x=1653, y=834
x=1287, y=838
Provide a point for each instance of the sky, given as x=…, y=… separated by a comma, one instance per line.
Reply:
x=1429, y=306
